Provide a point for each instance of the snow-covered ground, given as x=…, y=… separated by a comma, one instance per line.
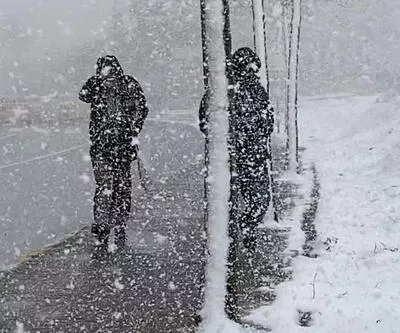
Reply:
x=353, y=286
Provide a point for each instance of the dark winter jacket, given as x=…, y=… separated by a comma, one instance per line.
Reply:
x=251, y=117
x=118, y=110
x=252, y=120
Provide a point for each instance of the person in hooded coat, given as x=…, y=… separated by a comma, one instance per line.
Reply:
x=118, y=111
x=251, y=124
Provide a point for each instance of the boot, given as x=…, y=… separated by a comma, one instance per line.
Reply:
x=102, y=233
x=120, y=236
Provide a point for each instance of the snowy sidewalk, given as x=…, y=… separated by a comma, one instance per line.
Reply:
x=155, y=284
x=152, y=286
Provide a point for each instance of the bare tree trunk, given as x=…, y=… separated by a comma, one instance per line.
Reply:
x=206, y=73
x=260, y=46
x=204, y=43
x=260, y=39
x=286, y=6
x=232, y=274
x=287, y=9
x=227, y=29
x=292, y=84
x=218, y=181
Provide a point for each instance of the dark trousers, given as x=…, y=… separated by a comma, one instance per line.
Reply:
x=254, y=191
x=112, y=199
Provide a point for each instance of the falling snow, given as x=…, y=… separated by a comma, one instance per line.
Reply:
x=330, y=262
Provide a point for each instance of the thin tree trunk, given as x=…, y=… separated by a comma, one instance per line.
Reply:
x=232, y=275
x=218, y=181
x=259, y=35
x=292, y=128
x=286, y=13
x=260, y=46
x=227, y=29
x=206, y=74
x=204, y=43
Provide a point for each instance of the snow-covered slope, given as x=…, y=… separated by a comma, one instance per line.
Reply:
x=353, y=286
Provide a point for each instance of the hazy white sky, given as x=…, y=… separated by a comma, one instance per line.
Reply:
x=59, y=21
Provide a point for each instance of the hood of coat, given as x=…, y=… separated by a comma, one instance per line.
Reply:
x=245, y=64
x=109, y=66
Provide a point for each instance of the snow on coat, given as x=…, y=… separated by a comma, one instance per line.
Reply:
x=118, y=109
x=251, y=118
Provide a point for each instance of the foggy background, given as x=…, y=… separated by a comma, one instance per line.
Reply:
x=51, y=46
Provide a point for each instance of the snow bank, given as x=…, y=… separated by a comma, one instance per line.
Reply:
x=353, y=285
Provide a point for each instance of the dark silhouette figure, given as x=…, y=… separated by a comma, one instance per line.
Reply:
x=118, y=111
x=251, y=124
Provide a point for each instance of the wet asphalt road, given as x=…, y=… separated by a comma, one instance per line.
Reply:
x=155, y=283
x=46, y=177
x=68, y=289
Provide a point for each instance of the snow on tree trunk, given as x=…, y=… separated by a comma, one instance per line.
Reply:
x=218, y=182
x=260, y=39
x=204, y=43
x=260, y=46
x=292, y=112
x=286, y=12
x=286, y=5
x=227, y=29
